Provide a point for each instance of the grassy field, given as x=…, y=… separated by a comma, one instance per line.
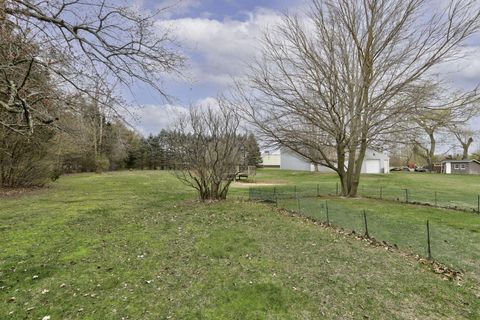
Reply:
x=460, y=191
x=136, y=245
x=455, y=235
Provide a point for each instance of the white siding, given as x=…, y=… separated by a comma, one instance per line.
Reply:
x=271, y=160
x=289, y=161
x=374, y=162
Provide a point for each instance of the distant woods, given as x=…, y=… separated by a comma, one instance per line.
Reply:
x=158, y=152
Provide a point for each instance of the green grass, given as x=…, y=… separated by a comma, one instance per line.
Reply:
x=455, y=235
x=137, y=245
x=449, y=190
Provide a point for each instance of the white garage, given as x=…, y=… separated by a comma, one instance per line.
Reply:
x=374, y=162
x=372, y=166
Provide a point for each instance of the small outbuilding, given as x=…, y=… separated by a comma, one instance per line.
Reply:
x=461, y=166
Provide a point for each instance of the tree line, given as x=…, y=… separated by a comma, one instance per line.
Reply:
x=90, y=140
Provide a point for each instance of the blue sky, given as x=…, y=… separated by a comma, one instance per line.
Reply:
x=220, y=37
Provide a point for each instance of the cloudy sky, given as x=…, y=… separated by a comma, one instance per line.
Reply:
x=220, y=37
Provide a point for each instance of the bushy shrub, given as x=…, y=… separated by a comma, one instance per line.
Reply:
x=25, y=160
x=101, y=163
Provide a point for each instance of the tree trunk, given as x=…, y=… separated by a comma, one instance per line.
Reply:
x=431, y=152
x=357, y=170
x=465, y=147
x=350, y=178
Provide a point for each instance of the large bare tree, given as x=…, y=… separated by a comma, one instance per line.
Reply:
x=207, y=149
x=79, y=42
x=336, y=80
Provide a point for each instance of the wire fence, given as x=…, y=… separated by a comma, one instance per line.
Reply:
x=450, y=245
x=467, y=201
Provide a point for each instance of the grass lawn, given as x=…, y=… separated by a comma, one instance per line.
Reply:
x=445, y=190
x=136, y=245
x=455, y=235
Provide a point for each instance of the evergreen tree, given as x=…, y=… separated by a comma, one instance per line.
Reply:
x=253, y=155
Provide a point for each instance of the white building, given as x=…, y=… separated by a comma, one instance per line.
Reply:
x=374, y=162
x=271, y=159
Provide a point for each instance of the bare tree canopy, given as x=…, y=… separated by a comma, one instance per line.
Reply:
x=338, y=80
x=207, y=147
x=78, y=43
x=464, y=136
x=437, y=112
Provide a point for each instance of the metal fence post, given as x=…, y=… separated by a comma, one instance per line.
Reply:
x=366, y=224
x=318, y=190
x=326, y=210
x=381, y=192
x=295, y=190
x=406, y=195
x=336, y=190
x=436, y=201
x=298, y=204
x=428, y=242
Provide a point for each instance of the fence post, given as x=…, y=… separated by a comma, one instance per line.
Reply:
x=318, y=190
x=336, y=190
x=428, y=242
x=381, y=192
x=366, y=224
x=298, y=204
x=436, y=201
x=295, y=190
x=406, y=195
x=326, y=209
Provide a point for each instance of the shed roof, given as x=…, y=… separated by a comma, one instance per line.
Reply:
x=461, y=161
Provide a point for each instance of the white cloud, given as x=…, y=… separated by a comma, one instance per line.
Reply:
x=220, y=49
x=463, y=72
x=151, y=119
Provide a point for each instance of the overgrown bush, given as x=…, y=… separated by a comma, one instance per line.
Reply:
x=26, y=161
x=101, y=163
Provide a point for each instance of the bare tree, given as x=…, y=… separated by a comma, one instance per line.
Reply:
x=430, y=124
x=437, y=112
x=336, y=81
x=207, y=146
x=77, y=42
x=464, y=135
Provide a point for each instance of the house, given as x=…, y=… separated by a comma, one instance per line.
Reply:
x=271, y=159
x=461, y=166
x=374, y=162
